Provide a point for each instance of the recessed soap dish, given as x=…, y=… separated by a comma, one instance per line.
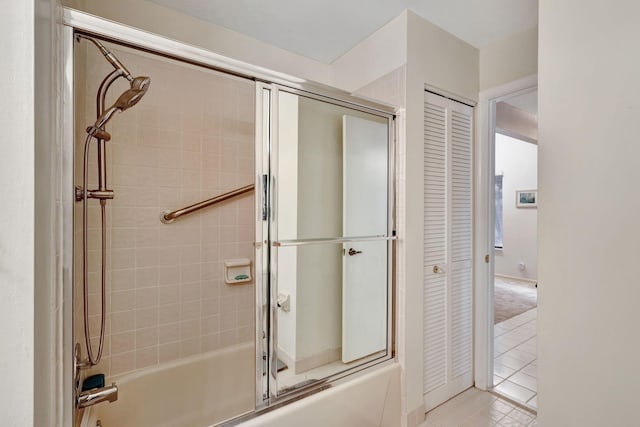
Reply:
x=237, y=271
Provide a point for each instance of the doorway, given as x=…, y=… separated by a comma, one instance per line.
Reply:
x=514, y=277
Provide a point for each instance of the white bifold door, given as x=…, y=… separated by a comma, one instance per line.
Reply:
x=448, y=274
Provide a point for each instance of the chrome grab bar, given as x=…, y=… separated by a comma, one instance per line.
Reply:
x=168, y=217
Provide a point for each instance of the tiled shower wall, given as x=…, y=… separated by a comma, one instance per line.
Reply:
x=190, y=138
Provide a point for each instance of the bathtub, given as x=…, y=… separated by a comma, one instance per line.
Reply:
x=194, y=392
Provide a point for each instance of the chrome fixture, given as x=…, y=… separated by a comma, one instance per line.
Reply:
x=97, y=395
x=139, y=86
x=89, y=397
x=168, y=217
x=306, y=242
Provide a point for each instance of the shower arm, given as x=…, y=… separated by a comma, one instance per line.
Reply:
x=110, y=57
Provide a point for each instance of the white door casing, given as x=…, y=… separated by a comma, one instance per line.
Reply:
x=448, y=254
x=364, y=285
x=484, y=225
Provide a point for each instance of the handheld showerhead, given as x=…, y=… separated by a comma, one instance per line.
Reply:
x=141, y=82
x=128, y=99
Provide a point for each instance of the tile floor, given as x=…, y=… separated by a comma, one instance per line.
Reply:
x=476, y=408
x=515, y=358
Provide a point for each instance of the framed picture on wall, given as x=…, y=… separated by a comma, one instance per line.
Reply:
x=526, y=198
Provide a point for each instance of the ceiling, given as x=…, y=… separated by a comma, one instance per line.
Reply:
x=526, y=101
x=324, y=30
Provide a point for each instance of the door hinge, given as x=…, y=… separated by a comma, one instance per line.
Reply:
x=486, y=259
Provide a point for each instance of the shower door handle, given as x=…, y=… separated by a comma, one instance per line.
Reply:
x=265, y=195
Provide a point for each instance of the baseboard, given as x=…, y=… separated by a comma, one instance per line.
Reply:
x=522, y=279
x=416, y=417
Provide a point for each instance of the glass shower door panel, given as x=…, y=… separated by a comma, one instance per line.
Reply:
x=313, y=303
x=330, y=278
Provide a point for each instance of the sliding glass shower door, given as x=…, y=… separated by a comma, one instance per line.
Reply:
x=326, y=239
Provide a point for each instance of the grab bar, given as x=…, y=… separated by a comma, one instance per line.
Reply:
x=168, y=217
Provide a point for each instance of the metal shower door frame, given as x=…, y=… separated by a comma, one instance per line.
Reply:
x=268, y=243
x=265, y=80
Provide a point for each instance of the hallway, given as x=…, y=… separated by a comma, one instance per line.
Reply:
x=515, y=358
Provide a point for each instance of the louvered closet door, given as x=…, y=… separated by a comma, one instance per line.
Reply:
x=448, y=293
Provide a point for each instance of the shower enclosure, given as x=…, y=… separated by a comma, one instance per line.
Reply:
x=248, y=241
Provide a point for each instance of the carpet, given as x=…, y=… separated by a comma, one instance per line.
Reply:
x=512, y=297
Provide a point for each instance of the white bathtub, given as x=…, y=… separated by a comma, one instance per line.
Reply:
x=194, y=392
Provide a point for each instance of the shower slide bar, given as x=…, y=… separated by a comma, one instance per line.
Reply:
x=168, y=217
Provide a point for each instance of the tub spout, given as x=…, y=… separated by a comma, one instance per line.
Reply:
x=97, y=395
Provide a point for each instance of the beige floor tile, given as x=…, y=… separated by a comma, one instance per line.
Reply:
x=524, y=380
x=475, y=408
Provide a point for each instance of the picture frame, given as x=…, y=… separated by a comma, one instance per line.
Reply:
x=526, y=198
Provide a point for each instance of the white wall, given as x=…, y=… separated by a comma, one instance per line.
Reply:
x=175, y=25
x=389, y=89
x=509, y=59
x=32, y=390
x=518, y=162
x=377, y=55
x=17, y=157
x=51, y=391
x=588, y=340
x=437, y=58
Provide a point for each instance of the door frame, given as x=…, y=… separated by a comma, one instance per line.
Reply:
x=484, y=218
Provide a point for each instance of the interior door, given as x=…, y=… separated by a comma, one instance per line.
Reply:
x=448, y=292
x=364, y=285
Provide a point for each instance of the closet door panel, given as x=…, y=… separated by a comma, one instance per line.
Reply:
x=435, y=241
x=461, y=241
x=448, y=274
